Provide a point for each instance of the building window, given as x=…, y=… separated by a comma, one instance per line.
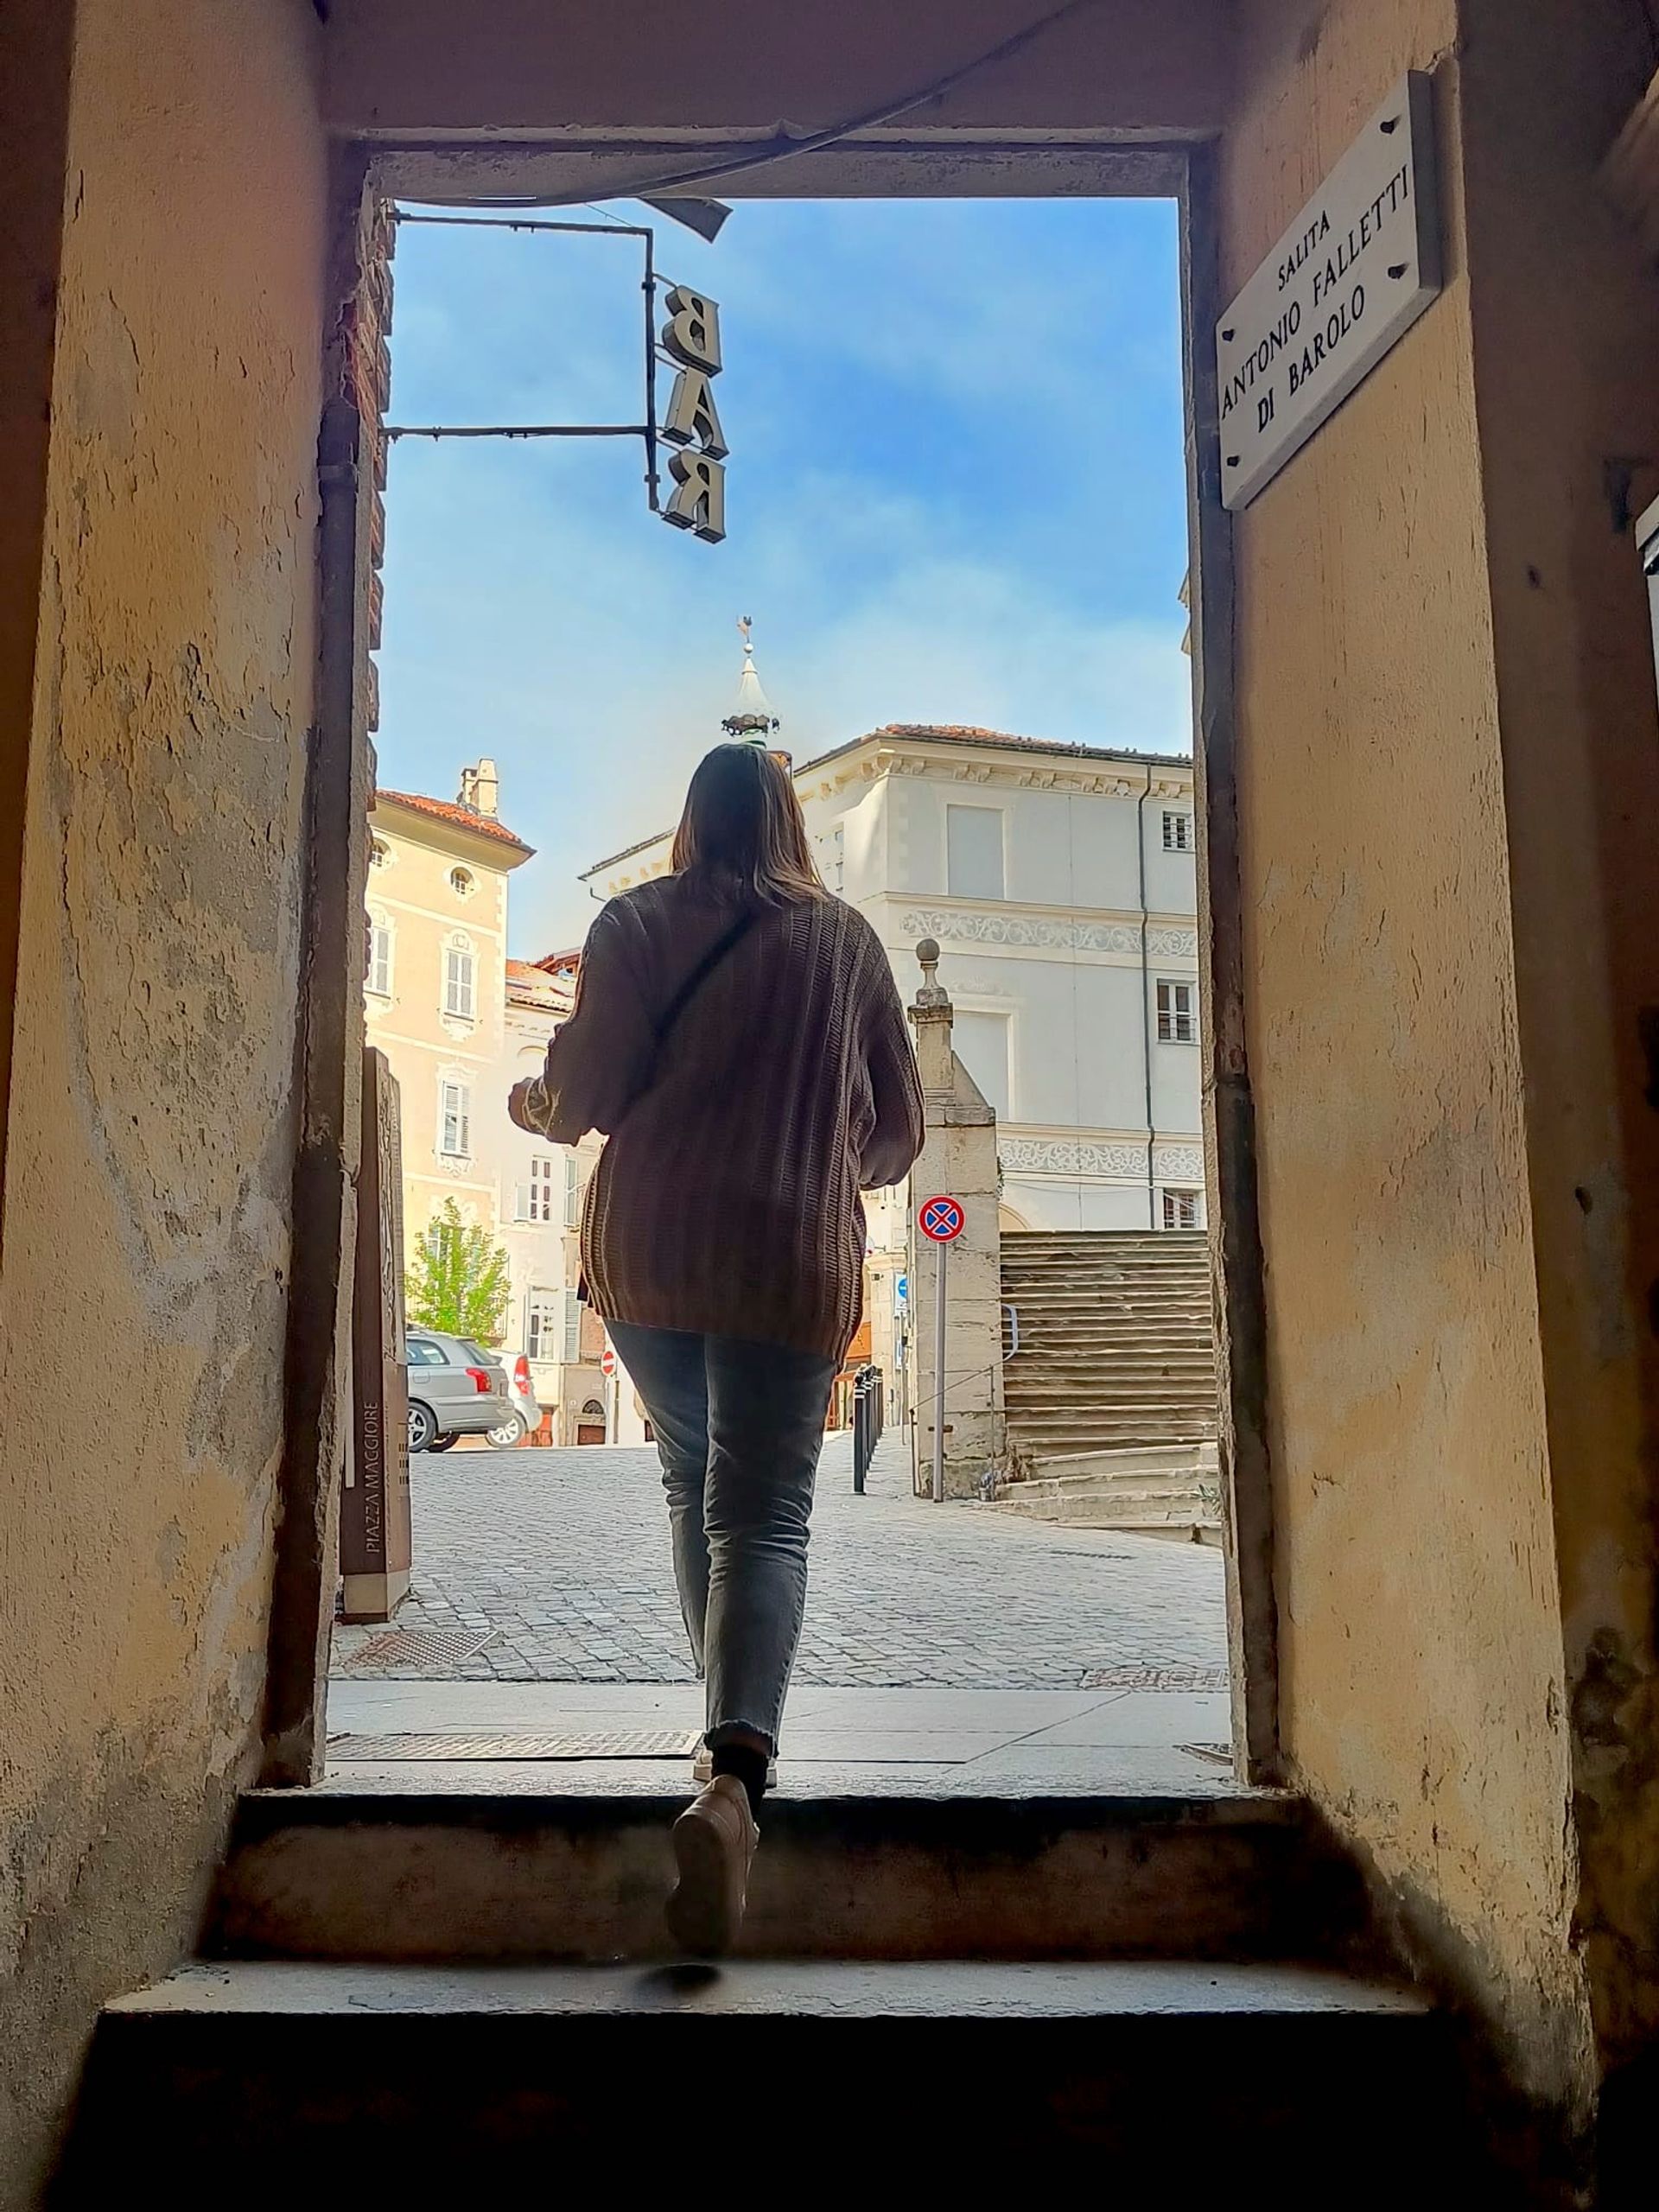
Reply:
x=572, y=1191
x=1177, y=833
x=379, y=853
x=834, y=847
x=455, y=1119
x=460, y=973
x=379, y=975
x=1178, y=1013
x=544, y=1326
x=973, y=845
x=533, y=1201
x=463, y=882
x=1180, y=1209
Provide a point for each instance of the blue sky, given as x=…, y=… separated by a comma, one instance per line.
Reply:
x=956, y=494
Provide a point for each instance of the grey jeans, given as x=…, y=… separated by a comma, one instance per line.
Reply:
x=739, y=1428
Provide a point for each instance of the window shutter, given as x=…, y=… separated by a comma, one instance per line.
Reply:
x=572, y=1348
x=572, y=1191
x=459, y=967
x=521, y=1203
x=381, y=959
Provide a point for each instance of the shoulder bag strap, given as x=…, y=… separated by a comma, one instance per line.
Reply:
x=725, y=942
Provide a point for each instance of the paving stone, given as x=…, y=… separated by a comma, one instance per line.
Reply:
x=562, y=1557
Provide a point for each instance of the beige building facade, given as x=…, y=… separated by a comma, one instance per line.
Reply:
x=460, y=1022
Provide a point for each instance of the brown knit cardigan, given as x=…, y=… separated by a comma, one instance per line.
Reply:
x=727, y=1200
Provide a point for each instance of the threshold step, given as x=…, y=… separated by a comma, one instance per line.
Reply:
x=422, y=1869
x=413, y=2074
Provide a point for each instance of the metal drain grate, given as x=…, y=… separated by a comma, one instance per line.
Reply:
x=596, y=1744
x=1153, y=1678
x=415, y=1647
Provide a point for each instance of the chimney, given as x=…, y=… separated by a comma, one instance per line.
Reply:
x=486, y=788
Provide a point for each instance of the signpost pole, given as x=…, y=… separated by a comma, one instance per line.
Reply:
x=943, y=1251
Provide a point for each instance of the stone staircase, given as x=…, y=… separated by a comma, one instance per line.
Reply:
x=1162, y=1490
x=419, y=1985
x=1111, y=1394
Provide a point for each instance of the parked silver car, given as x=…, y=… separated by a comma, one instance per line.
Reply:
x=455, y=1389
x=527, y=1412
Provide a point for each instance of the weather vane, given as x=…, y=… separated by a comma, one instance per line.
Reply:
x=754, y=721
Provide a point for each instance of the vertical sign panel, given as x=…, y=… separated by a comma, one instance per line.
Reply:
x=374, y=1523
x=1348, y=279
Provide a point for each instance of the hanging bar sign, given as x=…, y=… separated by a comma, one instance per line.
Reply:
x=1346, y=282
x=690, y=338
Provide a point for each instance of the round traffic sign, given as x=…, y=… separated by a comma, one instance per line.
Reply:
x=942, y=1218
x=607, y=1363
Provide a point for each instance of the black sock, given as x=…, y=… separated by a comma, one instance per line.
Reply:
x=748, y=1766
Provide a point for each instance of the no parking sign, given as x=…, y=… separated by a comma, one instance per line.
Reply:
x=942, y=1218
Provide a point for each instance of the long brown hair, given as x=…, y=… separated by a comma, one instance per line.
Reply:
x=742, y=833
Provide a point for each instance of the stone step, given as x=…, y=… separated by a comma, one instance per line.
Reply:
x=1175, y=1244
x=1200, y=1459
x=1155, y=1405
x=1179, y=1418
x=1035, y=1491
x=1039, y=1439
x=1095, y=1510
x=420, y=1867
x=1069, y=1364
x=423, y=2078
x=1085, y=1280
x=1108, y=1313
x=1040, y=1399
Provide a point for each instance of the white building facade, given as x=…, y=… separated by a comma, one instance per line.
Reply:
x=1059, y=881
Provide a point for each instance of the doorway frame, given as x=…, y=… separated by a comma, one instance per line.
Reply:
x=929, y=165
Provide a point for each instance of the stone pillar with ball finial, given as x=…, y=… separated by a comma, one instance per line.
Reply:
x=958, y=1160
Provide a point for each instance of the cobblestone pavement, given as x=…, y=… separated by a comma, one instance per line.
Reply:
x=561, y=1559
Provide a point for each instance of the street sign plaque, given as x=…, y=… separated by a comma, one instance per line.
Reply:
x=1344, y=284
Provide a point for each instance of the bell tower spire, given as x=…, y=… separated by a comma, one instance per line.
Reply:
x=753, y=722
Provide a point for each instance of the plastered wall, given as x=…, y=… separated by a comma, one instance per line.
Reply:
x=1422, y=1691
x=421, y=68
x=151, y=1132
x=1568, y=423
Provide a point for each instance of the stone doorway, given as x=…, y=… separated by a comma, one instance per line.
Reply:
x=1162, y=1670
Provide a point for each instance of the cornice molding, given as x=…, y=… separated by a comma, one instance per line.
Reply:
x=1109, y=1159
x=1006, y=771
x=1049, y=930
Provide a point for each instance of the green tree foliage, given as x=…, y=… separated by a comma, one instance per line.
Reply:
x=459, y=1281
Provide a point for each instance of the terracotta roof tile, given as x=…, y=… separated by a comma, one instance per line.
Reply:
x=463, y=817
x=530, y=984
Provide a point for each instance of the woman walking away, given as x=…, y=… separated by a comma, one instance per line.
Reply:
x=737, y=1036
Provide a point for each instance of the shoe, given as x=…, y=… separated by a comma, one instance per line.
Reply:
x=702, y=1769
x=713, y=1848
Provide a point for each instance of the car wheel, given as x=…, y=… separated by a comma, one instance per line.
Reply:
x=442, y=1443
x=512, y=1431
x=422, y=1428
